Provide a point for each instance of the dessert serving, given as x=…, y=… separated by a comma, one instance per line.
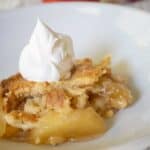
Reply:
x=56, y=98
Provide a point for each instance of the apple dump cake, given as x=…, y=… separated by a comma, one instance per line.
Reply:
x=56, y=98
x=42, y=112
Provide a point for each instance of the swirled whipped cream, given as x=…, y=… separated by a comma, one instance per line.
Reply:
x=48, y=56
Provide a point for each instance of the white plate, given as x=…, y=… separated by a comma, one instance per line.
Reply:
x=96, y=29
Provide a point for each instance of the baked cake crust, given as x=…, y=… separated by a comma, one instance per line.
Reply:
x=70, y=109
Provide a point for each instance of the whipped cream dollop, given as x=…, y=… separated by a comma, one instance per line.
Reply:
x=48, y=56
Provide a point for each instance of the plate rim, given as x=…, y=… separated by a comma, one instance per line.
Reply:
x=74, y=4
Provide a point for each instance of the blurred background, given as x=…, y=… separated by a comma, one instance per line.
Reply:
x=12, y=4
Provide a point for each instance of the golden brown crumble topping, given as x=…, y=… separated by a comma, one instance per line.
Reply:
x=52, y=113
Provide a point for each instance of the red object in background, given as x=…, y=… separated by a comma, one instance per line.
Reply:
x=82, y=0
x=68, y=0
